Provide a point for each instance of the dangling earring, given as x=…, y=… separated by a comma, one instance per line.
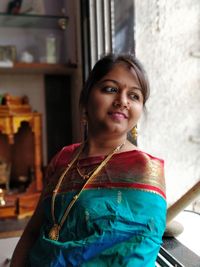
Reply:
x=84, y=119
x=134, y=133
x=85, y=125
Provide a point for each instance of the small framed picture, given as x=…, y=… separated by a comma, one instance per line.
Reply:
x=7, y=53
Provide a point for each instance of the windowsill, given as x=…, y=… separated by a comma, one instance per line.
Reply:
x=190, y=237
x=185, y=247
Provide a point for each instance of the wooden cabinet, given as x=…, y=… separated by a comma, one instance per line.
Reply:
x=20, y=133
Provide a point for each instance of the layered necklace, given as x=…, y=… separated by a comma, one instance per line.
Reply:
x=83, y=175
x=55, y=229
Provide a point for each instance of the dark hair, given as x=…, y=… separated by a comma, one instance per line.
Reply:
x=105, y=65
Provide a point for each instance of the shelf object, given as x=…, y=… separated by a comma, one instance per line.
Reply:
x=33, y=21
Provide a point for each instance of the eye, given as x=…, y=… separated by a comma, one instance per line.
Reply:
x=110, y=89
x=134, y=96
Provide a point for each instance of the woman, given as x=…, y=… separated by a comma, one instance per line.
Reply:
x=104, y=202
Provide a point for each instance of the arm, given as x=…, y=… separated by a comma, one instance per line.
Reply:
x=32, y=229
x=28, y=238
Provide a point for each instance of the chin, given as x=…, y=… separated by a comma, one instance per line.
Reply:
x=110, y=129
x=118, y=130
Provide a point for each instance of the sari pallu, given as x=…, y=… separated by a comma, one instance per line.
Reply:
x=118, y=220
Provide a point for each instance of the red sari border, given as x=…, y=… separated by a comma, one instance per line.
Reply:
x=149, y=188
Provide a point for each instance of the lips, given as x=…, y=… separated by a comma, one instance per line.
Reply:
x=118, y=115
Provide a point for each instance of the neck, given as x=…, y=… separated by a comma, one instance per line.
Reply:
x=99, y=147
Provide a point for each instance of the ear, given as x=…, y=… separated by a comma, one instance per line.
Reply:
x=84, y=120
x=84, y=115
x=85, y=111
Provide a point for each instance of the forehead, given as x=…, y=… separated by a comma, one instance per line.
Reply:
x=123, y=73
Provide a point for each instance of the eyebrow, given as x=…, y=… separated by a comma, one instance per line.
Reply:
x=117, y=83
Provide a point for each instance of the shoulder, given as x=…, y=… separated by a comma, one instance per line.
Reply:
x=141, y=162
x=152, y=164
x=146, y=167
x=65, y=154
x=151, y=159
x=153, y=168
x=61, y=158
x=136, y=152
x=139, y=157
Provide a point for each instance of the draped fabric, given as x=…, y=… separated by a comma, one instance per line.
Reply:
x=118, y=220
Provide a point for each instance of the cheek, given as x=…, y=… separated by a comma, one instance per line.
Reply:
x=98, y=102
x=136, y=112
x=95, y=105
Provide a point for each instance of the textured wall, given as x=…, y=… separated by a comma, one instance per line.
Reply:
x=166, y=33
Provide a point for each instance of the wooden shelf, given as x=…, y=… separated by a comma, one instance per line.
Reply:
x=33, y=21
x=38, y=68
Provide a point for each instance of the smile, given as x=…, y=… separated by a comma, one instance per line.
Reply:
x=118, y=115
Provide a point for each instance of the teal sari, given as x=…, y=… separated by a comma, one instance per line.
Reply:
x=118, y=220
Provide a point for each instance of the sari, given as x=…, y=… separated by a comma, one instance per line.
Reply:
x=118, y=220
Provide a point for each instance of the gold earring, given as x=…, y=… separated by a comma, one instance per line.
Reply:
x=84, y=121
x=134, y=133
x=84, y=118
x=85, y=125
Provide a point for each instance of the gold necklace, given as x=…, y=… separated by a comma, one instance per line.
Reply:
x=55, y=230
x=84, y=176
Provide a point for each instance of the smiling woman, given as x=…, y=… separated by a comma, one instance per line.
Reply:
x=104, y=200
x=115, y=104
x=107, y=77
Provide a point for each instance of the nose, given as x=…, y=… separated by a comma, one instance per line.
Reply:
x=121, y=101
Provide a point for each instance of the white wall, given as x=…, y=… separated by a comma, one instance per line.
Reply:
x=166, y=34
x=7, y=246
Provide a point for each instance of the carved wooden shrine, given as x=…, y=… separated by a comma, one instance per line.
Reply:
x=20, y=147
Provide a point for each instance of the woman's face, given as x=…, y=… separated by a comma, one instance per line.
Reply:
x=115, y=103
